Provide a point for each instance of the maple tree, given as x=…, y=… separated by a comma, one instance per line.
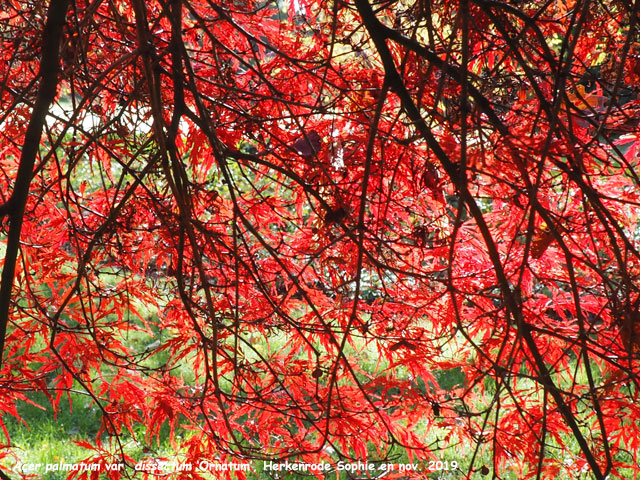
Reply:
x=325, y=230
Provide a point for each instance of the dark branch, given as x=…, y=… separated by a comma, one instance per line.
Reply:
x=49, y=66
x=379, y=34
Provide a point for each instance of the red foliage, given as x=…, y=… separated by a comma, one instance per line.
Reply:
x=324, y=230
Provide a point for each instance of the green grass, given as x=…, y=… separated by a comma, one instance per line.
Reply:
x=48, y=438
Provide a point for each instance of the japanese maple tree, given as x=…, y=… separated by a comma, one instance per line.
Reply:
x=327, y=231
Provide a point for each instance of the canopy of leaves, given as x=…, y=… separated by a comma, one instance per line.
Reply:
x=327, y=230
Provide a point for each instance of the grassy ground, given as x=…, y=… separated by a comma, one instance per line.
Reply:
x=47, y=438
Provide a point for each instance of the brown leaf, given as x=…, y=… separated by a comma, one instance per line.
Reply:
x=334, y=216
x=629, y=322
x=541, y=242
x=402, y=343
x=308, y=145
